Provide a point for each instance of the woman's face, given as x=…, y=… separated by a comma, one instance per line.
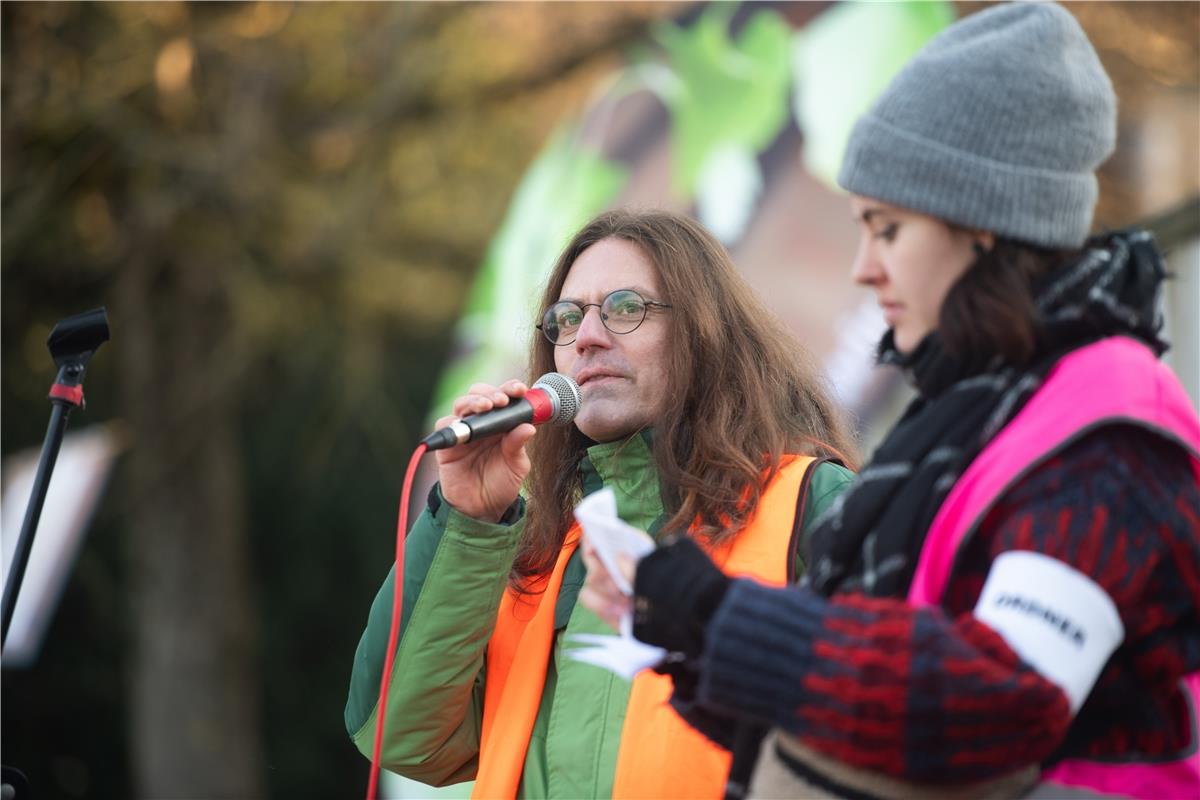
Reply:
x=910, y=260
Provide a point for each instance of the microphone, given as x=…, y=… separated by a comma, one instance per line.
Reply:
x=554, y=398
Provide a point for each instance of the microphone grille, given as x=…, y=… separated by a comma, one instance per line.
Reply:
x=565, y=393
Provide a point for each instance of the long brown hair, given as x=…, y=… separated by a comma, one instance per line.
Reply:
x=989, y=311
x=744, y=394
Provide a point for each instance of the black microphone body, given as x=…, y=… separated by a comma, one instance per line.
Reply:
x=489, y=423
x=554, y=398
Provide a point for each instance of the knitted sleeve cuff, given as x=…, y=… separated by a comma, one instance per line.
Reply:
x=758, y=651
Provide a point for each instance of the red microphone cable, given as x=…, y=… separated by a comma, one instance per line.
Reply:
x=394, y=634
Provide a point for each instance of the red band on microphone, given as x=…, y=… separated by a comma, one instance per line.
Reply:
x=72, y=394
x=543, y=406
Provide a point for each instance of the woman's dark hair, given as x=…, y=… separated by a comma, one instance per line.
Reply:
x=990, y=310
x=744, y=393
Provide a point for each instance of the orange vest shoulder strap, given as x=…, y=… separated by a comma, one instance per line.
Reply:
x=517, y=655
x=653, y=734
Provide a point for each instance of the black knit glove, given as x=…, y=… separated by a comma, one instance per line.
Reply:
x=676, y=591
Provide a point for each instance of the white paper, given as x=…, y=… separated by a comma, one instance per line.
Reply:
x=610, y=536
x=623, y=654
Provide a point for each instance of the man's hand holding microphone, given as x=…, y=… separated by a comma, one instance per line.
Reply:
x=481, y=447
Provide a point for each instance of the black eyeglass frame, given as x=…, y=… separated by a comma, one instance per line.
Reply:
x=583, y=307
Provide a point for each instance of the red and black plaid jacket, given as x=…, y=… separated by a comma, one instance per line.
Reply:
x=935, y=695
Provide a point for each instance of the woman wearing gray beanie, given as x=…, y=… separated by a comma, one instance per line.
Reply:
x=1007, y=603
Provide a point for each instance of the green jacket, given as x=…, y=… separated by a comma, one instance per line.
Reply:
x=456, y=570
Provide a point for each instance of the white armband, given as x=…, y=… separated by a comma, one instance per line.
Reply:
x=1058, y=620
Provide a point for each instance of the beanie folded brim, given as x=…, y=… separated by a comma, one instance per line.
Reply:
x=1036, y=206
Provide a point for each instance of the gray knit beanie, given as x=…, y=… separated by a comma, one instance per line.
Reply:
x=998, y=123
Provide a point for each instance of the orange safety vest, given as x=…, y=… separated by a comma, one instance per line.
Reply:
x=660, y=755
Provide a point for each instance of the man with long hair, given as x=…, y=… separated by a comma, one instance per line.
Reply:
x=703, y=416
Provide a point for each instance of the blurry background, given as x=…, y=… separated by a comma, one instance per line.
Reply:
x=311, y=225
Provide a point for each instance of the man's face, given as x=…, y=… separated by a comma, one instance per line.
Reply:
x=622, y=377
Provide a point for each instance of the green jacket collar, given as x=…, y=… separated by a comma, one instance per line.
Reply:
x=627, y=467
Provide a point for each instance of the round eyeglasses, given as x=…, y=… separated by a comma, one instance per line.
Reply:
x=622, y=311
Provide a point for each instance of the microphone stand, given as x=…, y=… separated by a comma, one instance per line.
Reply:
x=72, y=343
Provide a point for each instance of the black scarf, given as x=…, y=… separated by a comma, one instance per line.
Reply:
x=869, y=540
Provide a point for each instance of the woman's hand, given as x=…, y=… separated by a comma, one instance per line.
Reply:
x=677, y=589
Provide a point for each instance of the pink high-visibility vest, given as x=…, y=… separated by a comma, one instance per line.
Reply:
x=1113, y=380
